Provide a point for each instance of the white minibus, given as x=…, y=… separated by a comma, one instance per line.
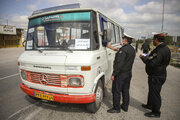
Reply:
x=64, y=58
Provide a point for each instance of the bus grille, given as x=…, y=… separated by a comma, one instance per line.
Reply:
x=47, y=79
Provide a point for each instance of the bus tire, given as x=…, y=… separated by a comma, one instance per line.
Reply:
x=94, y=106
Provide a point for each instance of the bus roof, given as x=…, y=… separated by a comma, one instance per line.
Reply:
x=60, y=10
x=68, y=6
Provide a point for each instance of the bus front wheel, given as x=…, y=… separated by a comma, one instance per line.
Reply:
x=94, y=107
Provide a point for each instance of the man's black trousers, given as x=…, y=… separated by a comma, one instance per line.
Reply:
x=145, y=51
x=120, y=84
x=154, y=98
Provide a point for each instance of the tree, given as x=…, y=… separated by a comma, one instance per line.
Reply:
x=169, y=40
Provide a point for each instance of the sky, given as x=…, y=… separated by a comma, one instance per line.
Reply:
x=138, y=17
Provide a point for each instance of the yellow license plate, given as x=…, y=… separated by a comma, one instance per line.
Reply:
x=44, y=96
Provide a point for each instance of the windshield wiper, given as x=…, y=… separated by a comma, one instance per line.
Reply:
x=65, y=46
x=41, y=51
x=35, y=46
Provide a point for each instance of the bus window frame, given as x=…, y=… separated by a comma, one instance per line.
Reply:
x=91, y=49
x=111, y=26
x=117, y=35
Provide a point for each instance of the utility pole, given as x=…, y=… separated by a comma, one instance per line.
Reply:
x=163, y=16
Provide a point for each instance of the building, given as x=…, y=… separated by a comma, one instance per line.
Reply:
x=10, y=36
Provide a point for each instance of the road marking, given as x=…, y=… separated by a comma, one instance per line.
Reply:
x=23, y=109
x=9, y=76
x=31, y=115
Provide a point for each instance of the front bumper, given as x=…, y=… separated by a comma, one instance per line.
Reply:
x=61, y=97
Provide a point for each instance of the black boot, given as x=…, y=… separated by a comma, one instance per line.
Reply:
x=125, y=109
x=153, y=114
x=146, y=106
x=112, y=110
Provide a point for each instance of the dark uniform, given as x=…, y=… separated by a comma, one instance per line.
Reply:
x=156, y=64
x=145, y=47
x=122, y=71
x=137, y=44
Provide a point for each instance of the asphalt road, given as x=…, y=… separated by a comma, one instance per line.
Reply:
x=11, y=97
x=15, y=105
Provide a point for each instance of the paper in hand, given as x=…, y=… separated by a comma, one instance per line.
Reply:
x=144, y=54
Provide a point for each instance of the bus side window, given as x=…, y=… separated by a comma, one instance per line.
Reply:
x=94, y=34
x=117, y=34
x=121, y=34
x=111, y=26
x=103, y=26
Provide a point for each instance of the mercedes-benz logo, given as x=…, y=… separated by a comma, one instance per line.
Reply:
x=44, y=79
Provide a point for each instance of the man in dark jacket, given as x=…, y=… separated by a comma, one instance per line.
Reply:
x=137, y=44
x=122, y=73
x=156, y=64
x=145, y=47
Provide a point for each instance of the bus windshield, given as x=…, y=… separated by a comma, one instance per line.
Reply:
x=60, y=31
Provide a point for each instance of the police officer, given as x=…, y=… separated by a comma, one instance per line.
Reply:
x=145, y=47
x=122, y=73
x=137, y=44
x=156, y=64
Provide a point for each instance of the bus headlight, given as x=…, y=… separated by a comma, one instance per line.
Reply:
x=24, y=75
x=75, y=82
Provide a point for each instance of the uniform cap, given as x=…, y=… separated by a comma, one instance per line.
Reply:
x=160, y=34
x=160, y=37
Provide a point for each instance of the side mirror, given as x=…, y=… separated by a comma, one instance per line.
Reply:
x=107, y=35
x=24, y=43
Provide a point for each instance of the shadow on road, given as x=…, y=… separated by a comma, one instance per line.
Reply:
x=107, y=100
x=67, y=107
x=133, y=102
x=137, y=104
